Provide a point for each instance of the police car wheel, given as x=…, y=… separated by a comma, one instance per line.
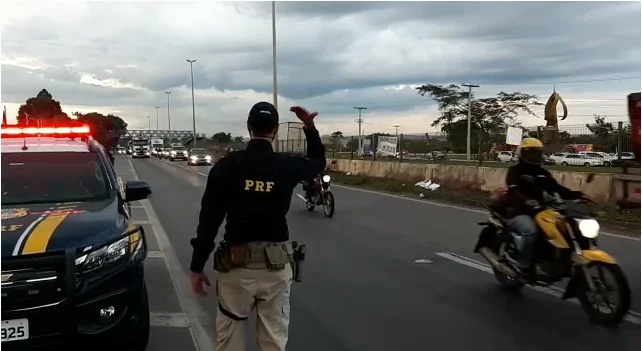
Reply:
x=137, y=330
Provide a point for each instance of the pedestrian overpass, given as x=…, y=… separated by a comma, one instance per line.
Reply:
x=161, y=134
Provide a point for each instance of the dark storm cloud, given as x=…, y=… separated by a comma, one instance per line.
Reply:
x=331, y=54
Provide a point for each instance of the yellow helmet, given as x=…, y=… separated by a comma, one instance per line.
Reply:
x=530, y=150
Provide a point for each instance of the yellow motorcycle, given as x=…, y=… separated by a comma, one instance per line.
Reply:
x=566, y=248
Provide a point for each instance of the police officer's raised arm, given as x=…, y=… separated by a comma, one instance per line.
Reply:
x=213, y=211
x=314, y=163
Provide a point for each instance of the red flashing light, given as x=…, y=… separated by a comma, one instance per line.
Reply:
x=46, y=131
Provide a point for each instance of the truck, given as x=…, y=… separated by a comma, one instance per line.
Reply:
x=139, y=147
x=625, y=190
x=156, y=146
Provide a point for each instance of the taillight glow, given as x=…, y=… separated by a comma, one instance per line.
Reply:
x=14, y=131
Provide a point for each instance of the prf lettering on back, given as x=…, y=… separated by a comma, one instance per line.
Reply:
x=258, y=185
x=11, y=228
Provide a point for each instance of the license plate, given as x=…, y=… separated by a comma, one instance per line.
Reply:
x=15, y=329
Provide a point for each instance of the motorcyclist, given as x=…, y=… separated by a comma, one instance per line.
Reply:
x=521, y=199
x=308, y=187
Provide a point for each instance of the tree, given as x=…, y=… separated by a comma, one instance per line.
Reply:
x=41, y=109
x=489, y=116
x=337, y=138
x=601, y=129
x=222, y=137
x=238, y=139
x=105, y=129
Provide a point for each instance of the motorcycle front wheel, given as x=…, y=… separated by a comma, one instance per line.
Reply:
x=617, y=286
x=328, y=204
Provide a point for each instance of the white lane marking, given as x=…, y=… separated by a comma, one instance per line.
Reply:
x=169, y=319
x=155, y=254
x=425, y=202
x=557, y=292
x=25, y=234
x=423, y=261
x=140, y=222
x=201, y=338
x=432, y=203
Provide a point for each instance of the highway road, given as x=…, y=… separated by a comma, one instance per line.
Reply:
x=387, y=273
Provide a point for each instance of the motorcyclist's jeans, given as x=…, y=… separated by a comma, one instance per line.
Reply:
x=526, y=228
x=308, y=186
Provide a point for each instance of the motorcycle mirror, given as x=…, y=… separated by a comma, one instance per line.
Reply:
x=590, y=178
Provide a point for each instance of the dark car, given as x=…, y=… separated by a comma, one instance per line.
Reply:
x=199, y=157
x=72, y=260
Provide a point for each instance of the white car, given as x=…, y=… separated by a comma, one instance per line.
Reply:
x=602, y=156
x=579, y=160
x=506, y=156
x=558, y=156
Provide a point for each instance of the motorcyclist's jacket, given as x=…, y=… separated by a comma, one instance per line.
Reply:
x=253, y=190
x=544, y=183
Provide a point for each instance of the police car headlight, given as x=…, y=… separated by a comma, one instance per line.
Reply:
x=326, y=178
x=193, y=158
x=589, y=228
x=173, y=152
x=127, y=247
x=208, y=157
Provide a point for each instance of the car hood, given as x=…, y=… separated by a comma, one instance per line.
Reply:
x=32, y=229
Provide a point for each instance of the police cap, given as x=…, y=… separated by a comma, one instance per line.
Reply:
x=263, y=117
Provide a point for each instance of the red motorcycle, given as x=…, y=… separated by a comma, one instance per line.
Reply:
x=321, y=196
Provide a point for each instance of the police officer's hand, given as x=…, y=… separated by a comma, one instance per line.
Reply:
x=304, y=115
x=197, y=280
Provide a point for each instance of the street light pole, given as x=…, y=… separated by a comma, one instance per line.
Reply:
x=274, y=75
x=191, y=69
x=156, y=107
x=149, y=123
x=169, y=120
x=470, y=105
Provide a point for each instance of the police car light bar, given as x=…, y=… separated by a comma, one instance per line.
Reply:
x=54, y=131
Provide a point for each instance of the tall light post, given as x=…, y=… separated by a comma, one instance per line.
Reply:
x=169, y=120
x=470, y=109
x=274, y=76
x=191, y=69
x=156, y=107
x=149, y=123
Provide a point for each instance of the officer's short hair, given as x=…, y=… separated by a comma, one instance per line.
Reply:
x=263, y=118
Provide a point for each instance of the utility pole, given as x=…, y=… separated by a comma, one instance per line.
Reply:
x=191, y=69
x=470, y=105
x=169, y=120
x=156, y=107
x=397, y=134
x=274, y=76
x=360, y=121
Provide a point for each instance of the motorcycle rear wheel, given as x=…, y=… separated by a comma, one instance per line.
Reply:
x=328, y=204
x=623, y=294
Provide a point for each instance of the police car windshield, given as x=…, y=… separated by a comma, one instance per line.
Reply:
x=179, y=148
x=198, y=152
x=51, y=177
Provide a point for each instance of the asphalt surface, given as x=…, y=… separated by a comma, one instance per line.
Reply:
x=387, y=273
x=170, y=329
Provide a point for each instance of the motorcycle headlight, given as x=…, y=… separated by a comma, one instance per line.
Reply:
x=326, y=178
x=125, y=248
x=589, y=228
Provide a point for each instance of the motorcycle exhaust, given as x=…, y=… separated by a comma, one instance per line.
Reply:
x=301, y=197
x=493, y=259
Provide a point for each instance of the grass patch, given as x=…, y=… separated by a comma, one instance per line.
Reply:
x=623, y=220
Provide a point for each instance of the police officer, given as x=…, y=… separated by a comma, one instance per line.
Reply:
x=253, y=188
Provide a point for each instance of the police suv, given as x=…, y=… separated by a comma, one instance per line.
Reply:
x=72, y=260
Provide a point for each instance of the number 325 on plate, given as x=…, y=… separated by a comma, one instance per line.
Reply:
x=15, y=329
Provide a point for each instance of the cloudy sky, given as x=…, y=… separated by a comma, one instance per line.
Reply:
x=120, y=57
